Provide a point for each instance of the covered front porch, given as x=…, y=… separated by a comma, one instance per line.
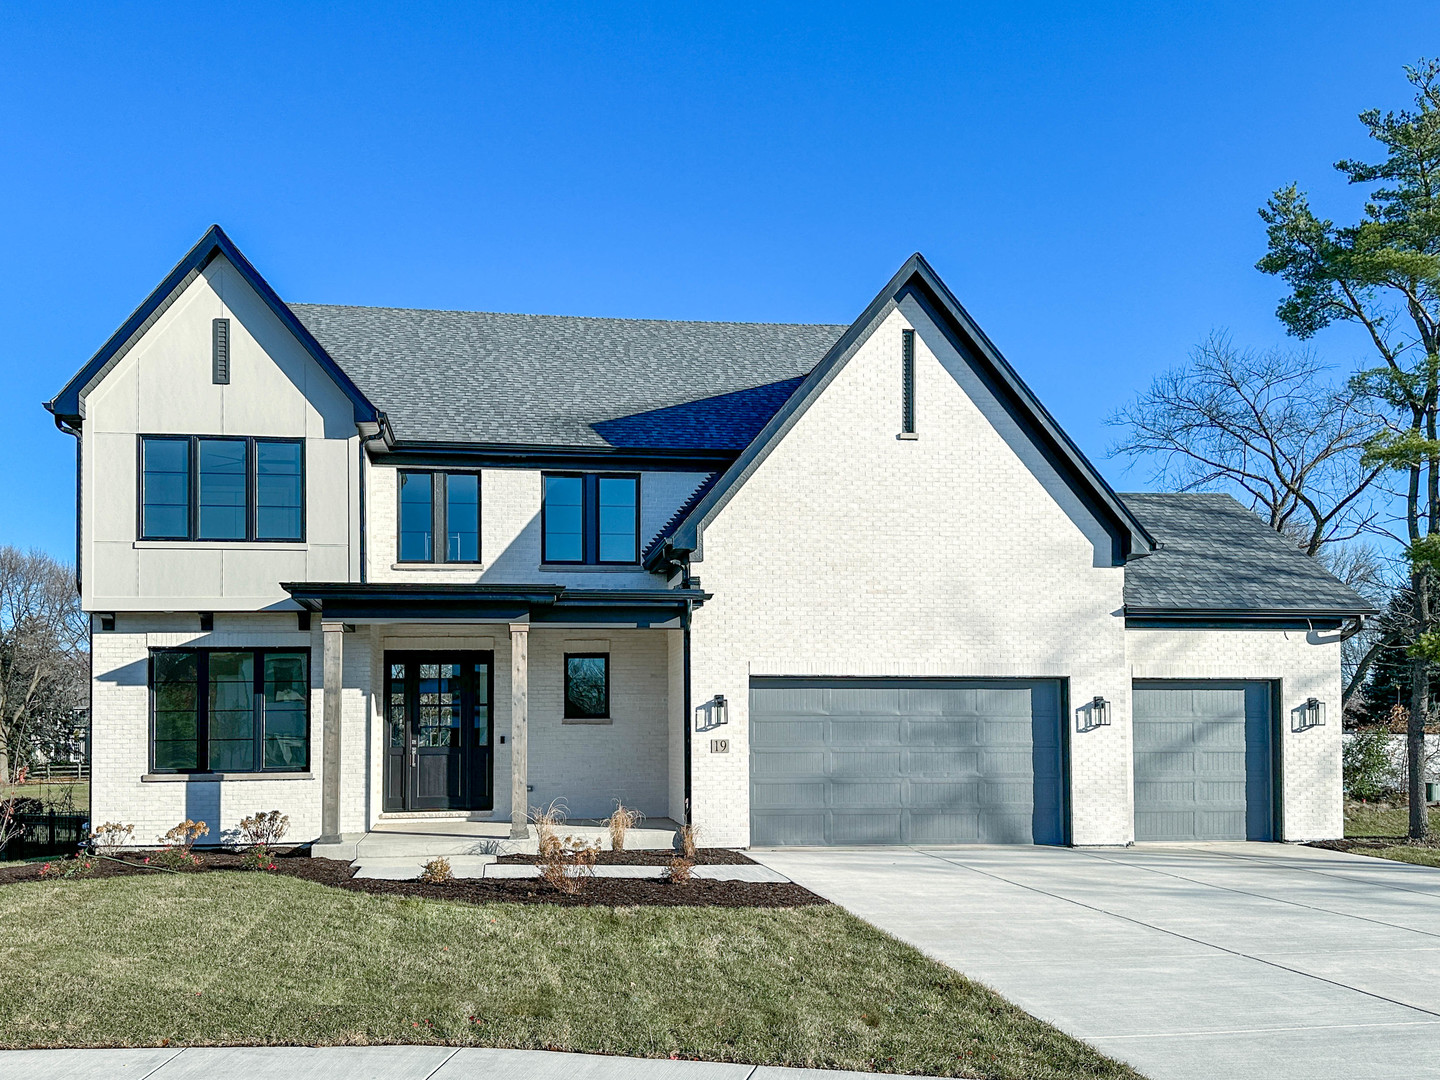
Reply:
x=451, y=714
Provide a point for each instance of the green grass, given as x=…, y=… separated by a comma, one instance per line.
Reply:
x=79, y=791
x=238, y=958
x=1420, y=856
x=1371, y=819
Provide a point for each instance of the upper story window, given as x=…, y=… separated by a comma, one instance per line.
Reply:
x=199, y=487
x=590, y=518
x=439, y=505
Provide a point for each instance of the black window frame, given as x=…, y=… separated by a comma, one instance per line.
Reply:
x=439, y=512
x=252, y=488
x=202, y=707
x=570, y=712
x=590, y=519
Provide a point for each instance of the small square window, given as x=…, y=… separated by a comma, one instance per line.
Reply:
x=587, y=686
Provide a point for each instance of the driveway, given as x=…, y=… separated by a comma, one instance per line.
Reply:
x=1199, y=960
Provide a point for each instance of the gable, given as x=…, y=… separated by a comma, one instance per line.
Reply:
x=977, y=366
x=69, y=406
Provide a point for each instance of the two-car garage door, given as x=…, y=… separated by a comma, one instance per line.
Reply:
x=944, y=761
x=904, y=761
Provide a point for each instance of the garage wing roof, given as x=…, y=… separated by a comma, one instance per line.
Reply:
x=1217, y=558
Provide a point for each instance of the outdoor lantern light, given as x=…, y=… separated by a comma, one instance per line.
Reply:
x=719, y=711
x=1313, y=712
x=1099, y=712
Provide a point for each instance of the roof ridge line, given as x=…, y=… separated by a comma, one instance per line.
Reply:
x=583, y=318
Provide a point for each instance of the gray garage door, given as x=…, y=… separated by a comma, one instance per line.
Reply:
x=904, y=761
x=1203, y=761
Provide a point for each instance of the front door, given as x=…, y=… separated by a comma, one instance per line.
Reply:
x=438, y=754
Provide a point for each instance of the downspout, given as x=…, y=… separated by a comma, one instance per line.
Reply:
x=689, y=713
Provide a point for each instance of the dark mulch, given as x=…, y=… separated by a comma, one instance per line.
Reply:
x=710, y=856
x=1374, y=843
x=600, y=892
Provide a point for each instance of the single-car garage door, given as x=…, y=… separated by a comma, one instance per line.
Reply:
x=1203, y=762
x=906, y=761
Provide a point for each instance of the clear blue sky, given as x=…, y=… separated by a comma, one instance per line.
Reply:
x=1084, y=176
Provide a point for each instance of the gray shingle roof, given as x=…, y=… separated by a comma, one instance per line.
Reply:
x=553, y=380
x=1215, y=555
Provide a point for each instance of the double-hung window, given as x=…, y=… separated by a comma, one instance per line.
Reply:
x=439, y=517
x=229, y=710
x=199, y=487
x=590, y=518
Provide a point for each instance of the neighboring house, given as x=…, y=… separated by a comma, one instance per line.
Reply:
x=797, y=584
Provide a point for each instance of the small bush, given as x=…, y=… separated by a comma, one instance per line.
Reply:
x=437, y=871
x=264, y=829
x=568, y=864
x=687, y=836
x=176, y=854
x=620, y=822
x=110, y=837
x=678, y=871
x=80, y=866
x=1368, y=770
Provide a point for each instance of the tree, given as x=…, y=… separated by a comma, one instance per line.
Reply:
x=43, y=661
x=1382, y=274
x=1267, y=426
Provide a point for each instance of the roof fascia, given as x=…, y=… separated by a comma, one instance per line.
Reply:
x=524, y=455
x=916, y=271
x=68, y=406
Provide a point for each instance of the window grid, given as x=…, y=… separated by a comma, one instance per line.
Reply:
x=438, y=519
x=220, y=487
x=229, y=710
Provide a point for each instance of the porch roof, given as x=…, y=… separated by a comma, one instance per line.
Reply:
x=539, y=603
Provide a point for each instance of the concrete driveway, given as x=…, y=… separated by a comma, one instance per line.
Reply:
x=1200, y=960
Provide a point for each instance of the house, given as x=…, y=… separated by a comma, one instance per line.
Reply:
x=796, y=584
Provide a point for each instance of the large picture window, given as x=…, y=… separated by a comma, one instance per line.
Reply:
x=590, y=518
x=220, y=488
x=439, y=517
x=230, y=710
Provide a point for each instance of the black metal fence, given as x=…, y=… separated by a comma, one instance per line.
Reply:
x=46, y=833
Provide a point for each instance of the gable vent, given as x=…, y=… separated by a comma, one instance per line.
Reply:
x=907, y=382
x=220, y=352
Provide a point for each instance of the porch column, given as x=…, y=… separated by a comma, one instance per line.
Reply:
x=519, y=724
x=333, y=634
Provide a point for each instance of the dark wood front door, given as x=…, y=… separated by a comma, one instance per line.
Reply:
x=437, y=714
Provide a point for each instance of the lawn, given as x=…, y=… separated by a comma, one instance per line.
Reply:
x=250, y=958
x=1368, y=821
x=52, y=792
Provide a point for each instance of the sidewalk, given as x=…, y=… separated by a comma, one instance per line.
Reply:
x=374, y=1063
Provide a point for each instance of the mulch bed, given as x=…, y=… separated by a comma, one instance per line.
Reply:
x=601, y=892
x=710, y=856
x=1374, y=843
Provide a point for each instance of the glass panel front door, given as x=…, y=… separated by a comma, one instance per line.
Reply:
x=437, y=721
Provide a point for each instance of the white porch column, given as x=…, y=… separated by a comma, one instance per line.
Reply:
x=333, y=634
x=519, y=724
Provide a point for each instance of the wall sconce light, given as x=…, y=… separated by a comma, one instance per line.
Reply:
x=1099, y=712
x=719, y=710
x=1312, y=713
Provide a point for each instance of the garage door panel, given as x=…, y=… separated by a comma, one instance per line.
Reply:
x=783, y=733
x=913, y=761
x=788, y=830
x=1202, y=760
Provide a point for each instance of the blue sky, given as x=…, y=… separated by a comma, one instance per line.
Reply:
x=1084, y=176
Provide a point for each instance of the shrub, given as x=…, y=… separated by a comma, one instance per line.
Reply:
x=678, y=871
x=437, y=871
x=264, y=829
x=1369, y=771
x=109, y=838
x=620, y=822
x=79, y=866
x=687, y=836
x=568, y=863
x=176, y=854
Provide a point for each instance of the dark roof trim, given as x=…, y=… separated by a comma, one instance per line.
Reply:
x=493, y=603
x=1159, y=613
x=917, y=274
x=523, y=455
x=1203, y=621
x=68, y=405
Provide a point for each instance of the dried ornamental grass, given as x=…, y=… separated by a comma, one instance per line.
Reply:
x=620, y=822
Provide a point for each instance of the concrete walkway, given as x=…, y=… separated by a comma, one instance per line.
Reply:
x=1189, y=962
x=374, y=1063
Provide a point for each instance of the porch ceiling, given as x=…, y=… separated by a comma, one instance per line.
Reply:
x=540, y=603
